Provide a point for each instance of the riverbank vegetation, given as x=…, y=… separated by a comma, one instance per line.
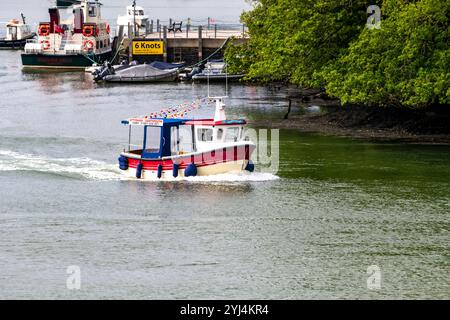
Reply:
x=327, y=44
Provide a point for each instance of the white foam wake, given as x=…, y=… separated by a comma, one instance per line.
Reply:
x=99, y=170
x=78, y=167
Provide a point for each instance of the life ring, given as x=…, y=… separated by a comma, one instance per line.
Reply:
x=108, y=29
x=44, y=30
x=88, y=31
x=88, y=45
x=46, y=44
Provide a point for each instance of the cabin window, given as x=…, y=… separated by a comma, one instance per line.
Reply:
x=186, y=143
x=219, y=134
x=204, y=134
x=153, y=137
x=232, y=134
x=92, y=11
x=174, y=140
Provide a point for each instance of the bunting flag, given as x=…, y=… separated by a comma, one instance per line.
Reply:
x=180, y=111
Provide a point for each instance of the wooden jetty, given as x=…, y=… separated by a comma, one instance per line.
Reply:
x=188, y=44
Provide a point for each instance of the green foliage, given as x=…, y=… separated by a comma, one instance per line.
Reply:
x=325, y=43
x=405, y=63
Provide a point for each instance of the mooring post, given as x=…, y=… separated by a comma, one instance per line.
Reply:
x=188, y=26
x=286, y=116
x=215, y=31
x=165, y=44
x=200, y=44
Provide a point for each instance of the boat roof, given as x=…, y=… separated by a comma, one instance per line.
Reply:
x=159, y=122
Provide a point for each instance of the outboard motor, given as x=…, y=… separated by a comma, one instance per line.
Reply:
x=105, y=71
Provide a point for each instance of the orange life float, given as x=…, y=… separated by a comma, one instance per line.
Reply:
x=44, y=30
x=108, y=29
x=88, y=45
x=46, y=44
x=88, y=31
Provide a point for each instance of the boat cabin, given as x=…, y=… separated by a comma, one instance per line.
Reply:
x=16, y=30
x=136, y=16
x=78, y=30
x=171, y=137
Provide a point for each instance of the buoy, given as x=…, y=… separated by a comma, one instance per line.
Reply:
x=175, y=170
x=139, y=170
x=250, y=166
x=190, y=171
x=123, y=163
x=160, y=167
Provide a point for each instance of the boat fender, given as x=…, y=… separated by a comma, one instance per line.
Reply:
x=175, y=169
x=123, y=163
x=190, y=171
x=160, y=167
x=139, y=170
x=250, y=166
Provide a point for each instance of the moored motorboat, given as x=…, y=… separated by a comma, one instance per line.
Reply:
x=178, y=147
x=75, y=42
x=215, y=70
x=17, y=34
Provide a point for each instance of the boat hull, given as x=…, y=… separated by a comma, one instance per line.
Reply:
x=55, y=61
x=219, y=161
x=14, y=44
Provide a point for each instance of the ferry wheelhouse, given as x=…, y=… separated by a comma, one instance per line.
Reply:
x=178, y=147
x=72, y=42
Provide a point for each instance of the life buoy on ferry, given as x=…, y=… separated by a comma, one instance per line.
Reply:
x=88, y=45
x=88, y=31
x=45, y=44
x=44, y=30
x=108, y=29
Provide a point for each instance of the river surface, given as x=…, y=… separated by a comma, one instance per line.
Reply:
x=335, y=207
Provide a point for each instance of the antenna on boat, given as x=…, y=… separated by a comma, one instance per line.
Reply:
x=207, y=77
x=23, y=18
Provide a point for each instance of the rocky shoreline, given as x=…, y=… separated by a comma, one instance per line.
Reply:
x=390, y=124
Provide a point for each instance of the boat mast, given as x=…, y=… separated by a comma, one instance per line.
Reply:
x=134, y=19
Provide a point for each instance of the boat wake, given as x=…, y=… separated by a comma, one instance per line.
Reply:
x=70, y=167
x=86, y=168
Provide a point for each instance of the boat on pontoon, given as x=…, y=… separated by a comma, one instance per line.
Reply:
x=178, y=147
x=75, y=38
x=17, y=34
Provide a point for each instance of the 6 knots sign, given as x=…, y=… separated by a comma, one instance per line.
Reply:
x=148, y=47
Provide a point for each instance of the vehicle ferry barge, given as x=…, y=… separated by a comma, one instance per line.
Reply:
x=76, y=42
x=179, y=147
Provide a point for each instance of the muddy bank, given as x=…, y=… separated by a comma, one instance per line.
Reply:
x=386, y=124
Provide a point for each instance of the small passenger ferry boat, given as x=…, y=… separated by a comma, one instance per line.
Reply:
x=17, y=34
x=73, y=42
x=178, y=147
